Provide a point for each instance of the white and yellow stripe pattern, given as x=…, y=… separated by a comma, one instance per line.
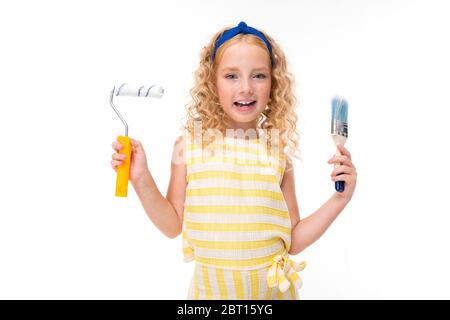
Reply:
x=282, y=274
x=235, y=215
x=210, y=283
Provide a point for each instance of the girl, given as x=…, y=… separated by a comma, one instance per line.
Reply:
x=233, y=198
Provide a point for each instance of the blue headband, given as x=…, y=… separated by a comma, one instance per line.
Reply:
x=244, y=29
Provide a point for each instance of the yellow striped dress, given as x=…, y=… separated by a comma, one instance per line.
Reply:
x=236, y=223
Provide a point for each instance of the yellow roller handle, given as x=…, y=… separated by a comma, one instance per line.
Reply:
x=123, y=171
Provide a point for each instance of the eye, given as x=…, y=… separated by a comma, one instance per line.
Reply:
x=231, y=76
x=260, y=76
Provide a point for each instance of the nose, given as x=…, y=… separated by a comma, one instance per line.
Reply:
x=246, y=86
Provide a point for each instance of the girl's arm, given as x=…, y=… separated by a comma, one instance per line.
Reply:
x=166, y=213
x=306, y=231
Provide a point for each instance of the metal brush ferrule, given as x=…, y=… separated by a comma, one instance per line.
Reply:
x=339, y=127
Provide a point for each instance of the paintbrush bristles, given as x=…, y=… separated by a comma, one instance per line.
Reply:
x=339, y=114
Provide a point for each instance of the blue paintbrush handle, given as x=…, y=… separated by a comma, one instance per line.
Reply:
x=339, y=186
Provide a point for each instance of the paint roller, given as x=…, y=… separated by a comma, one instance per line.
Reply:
x=127, y=90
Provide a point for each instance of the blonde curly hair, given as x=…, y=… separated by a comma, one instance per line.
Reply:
x=279, y=113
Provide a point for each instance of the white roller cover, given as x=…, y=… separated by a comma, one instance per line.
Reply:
x=125, y=89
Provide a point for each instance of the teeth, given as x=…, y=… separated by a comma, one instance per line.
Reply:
x=244, y=103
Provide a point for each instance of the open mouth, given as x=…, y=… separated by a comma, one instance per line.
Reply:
x=244, y=105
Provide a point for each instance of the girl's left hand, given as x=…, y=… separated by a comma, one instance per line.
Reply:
x=345, y=172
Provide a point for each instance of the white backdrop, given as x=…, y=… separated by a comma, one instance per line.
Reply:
x=64, y=235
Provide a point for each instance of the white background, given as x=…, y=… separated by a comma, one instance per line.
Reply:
x=64, y=235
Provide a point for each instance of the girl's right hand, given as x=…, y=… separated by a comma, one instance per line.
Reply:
x=138, y=165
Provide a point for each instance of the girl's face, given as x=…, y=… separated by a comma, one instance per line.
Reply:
x=243, y=83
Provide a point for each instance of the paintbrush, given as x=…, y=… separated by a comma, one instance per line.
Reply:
x=339, y=130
